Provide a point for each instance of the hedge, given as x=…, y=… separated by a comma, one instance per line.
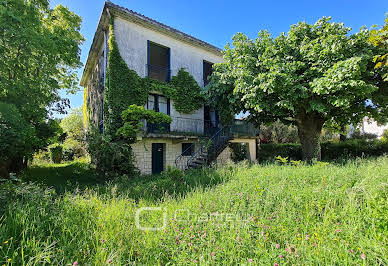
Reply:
x=330, y=150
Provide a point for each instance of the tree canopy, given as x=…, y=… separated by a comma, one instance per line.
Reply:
x=313, y=75
x=39, y=53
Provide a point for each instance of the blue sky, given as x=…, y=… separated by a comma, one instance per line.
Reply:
x=216, y=21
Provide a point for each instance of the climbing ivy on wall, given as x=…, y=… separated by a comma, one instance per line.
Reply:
x=125, y=87
x=186, y=93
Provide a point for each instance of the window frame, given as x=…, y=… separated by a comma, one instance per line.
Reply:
x=185, y=149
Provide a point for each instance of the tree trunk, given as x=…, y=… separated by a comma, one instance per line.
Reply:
x=309, y=131
x=18, y=164
x=5, y=168
x=342, y=137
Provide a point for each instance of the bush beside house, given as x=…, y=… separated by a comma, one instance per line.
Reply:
x=330, y=150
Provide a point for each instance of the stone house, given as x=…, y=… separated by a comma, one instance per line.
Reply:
x=159, y=51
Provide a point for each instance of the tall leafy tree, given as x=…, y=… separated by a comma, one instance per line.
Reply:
x=39, y=52
x=314, y=75
x=379, y=37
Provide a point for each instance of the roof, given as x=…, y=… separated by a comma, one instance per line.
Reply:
x=111, y=8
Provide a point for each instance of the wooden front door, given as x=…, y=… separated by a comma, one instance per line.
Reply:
x=157, y=158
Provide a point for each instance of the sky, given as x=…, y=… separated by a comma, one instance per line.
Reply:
x=216, y=21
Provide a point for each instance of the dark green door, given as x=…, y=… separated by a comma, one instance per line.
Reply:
x=157, y=158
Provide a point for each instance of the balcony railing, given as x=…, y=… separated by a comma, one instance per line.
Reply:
x=200, y=127
x=161, y=73
x=243, y=128
x=178, y=125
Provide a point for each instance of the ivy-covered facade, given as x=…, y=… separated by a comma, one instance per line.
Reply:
x=136, y=61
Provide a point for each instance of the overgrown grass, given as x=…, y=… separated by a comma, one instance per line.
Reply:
x=261, y=215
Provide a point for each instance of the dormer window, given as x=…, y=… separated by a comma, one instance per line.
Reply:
x=158, y=62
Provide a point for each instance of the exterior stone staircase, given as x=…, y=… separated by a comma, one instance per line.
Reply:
x=208, y=150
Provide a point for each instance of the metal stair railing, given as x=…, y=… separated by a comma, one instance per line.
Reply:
x=209, y=150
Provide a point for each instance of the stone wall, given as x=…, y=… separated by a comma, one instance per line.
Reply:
x=143, y=152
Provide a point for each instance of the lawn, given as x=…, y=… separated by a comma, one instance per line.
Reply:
x=238, y=214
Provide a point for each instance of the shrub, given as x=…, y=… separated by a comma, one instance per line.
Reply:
x=330, y=150
x=267, y=152
x=384, y=137
x=239, y=152
x=110, y=157
x=41, y=157
x=73, y=149
x=56, y=153
x=173, y=173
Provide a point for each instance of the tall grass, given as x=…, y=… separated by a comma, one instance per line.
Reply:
x=333, y=214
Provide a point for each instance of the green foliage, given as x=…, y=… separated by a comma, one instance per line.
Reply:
x=173, y=173
x=111, y=158
x=134, y=117
x=278, y=132
x=233, y=215
x=239, y=152
x=379, y=38
x=39, y=54
x=330, y=150
x=282, y=160
x=56, y=153
x=125, y=87
x=73, y=149
x=72, y=124
x=384, y=137
x=187, y=95
x=313, y=75
x=16, y=135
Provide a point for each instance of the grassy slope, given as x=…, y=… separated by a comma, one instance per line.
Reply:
x=266, y=214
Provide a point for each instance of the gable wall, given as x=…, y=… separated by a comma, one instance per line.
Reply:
x=132, y=42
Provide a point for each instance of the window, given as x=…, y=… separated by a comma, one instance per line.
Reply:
x=158, y=62
x=207, y=71
x=161, y=104
x=158, y=103
x=187, y=149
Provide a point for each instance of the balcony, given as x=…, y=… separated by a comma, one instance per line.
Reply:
x=161, y=73
x=198, y=127
x=178, y=126
x=242, y=128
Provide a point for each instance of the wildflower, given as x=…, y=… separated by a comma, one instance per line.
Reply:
x=286, y=249
x=190, y=244
x=250, y=260
x=338, y=230
x=277, y=246
x=195, y=261
x=102, y=241
x=307, y=237
x=75, y=263
x=276, y=264
x=351, y=251
x=280, y=256
x=9, y=260
x=363, y=256
x=5, y=242
x=213, y=254
x=315, y=244
x=109, y=261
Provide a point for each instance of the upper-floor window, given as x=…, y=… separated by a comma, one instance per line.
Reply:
x=207, y=71
x=158, y=103
x=161, y=104
x=158, y=61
